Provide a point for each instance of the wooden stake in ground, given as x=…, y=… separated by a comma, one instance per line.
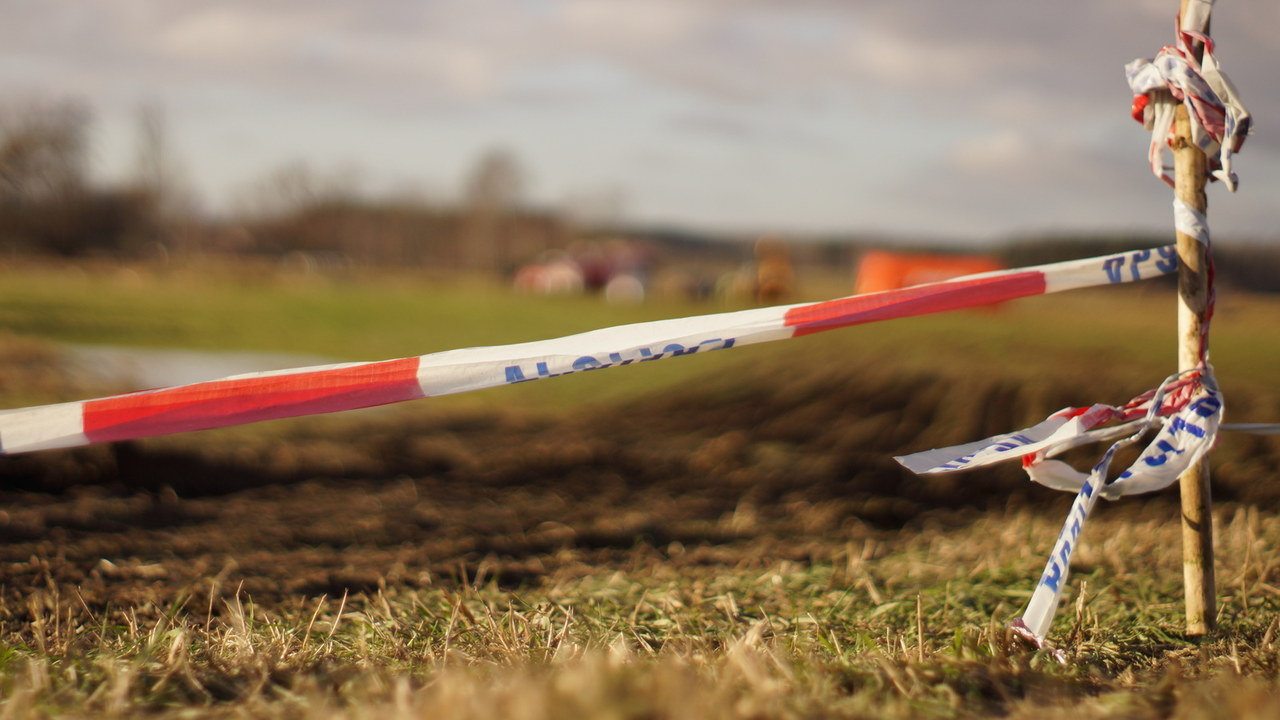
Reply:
x=1190, y=174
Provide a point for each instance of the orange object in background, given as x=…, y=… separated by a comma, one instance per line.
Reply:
x=884, y=270
x=775, y=276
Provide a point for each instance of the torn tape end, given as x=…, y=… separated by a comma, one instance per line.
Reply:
x=1020, y=629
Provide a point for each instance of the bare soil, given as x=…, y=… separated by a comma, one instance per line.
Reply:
x=777, y=467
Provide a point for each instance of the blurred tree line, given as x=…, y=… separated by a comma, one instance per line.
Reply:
x=46, y=202
x=298, y=210
x=48, y=205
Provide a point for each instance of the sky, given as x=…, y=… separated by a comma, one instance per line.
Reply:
x=917, y=118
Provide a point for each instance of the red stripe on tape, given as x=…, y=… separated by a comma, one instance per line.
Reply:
x=220, y=403
x=911, y=301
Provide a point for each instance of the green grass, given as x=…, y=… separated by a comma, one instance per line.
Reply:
x=903, y=624
x=1126, y=334
x=250, y=308
x=896, y=626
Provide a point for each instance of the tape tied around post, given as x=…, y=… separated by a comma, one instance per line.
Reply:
x=1190, y=222
x=1187, y=409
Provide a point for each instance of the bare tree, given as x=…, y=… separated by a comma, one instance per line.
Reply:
x=154, y=167
x=42, y=152
x=296, y=186
x=160, y=184
x=43, y=186
x=492, y=196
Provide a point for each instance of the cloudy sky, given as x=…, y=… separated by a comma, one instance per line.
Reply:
x=912, y=117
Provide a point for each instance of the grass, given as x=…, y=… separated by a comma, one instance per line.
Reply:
x=349, y=318
x=895, y=626
x=250, y=307
x=1127, y=334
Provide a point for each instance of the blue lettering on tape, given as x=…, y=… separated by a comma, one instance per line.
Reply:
x=1136, y=259
x=1052, y=576
x=542, y=369
x=1061, y=557
x=1166, y=262
x=1179, y=425
x=1112, y=267
x=1010, y=442
x=958, y=462
x=1166, y=449
x=1013, y=442
x=1206, y=406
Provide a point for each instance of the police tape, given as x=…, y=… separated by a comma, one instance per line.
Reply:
x=1187, y=407
x=258, y=397
x=1219, y=121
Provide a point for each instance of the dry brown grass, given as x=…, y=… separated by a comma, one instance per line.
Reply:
x=782, y=601
x=898, y=625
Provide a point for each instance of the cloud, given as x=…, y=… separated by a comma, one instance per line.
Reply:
x=648, y=24
x=882, y=96
x=225, y=32
x=1005, y=152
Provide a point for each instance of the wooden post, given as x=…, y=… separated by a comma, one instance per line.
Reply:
x=1190, y=174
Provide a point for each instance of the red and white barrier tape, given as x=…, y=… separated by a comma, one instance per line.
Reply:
x=1188, y=409
x=332, y=388
x=1188, y=406
x=1219, y=121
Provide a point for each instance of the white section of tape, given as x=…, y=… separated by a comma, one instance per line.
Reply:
x=1008, y=446
x=457, y=371
x=1190, y=221
x=1114, y=269
x=1056, y=475
x=1182, y=442
x=42, y=428
x=1037, y=618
